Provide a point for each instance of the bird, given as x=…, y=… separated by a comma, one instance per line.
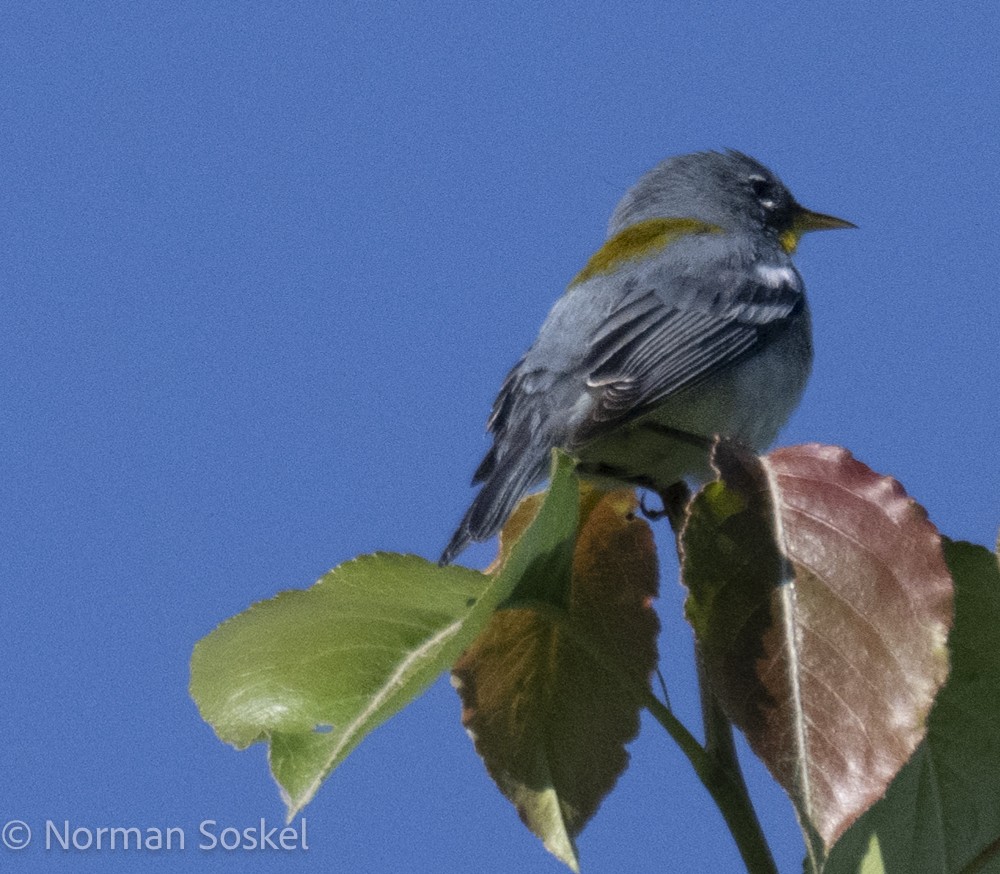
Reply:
x=690, y=321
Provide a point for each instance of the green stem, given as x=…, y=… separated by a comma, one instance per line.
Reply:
x=718, y=729
x=726, y=787
x=719, y=749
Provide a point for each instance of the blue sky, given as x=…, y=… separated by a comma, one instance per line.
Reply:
x=264, y=267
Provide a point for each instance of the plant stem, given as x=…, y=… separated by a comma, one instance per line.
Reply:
x=718, y=730
x=724, y=782
x=730, y=795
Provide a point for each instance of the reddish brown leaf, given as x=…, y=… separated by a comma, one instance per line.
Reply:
x=550, y=718
x=822, y=603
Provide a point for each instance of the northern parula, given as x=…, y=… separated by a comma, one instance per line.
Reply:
x=690, y=321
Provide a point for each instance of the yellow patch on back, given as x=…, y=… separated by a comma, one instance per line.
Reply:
x=641, y=239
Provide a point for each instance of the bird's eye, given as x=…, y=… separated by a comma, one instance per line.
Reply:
x=763, y=190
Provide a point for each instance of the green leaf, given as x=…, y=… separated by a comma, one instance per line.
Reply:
x=535, y=565
x=872, y=862
x=542, y=687
x=313, y=671
x=821, y=601
x=942, y=812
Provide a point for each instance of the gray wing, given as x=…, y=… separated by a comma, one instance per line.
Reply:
x=648, y=349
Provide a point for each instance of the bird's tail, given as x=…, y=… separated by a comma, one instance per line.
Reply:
x=505, y=484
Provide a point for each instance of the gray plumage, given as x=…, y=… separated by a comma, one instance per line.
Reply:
x=708, y=334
